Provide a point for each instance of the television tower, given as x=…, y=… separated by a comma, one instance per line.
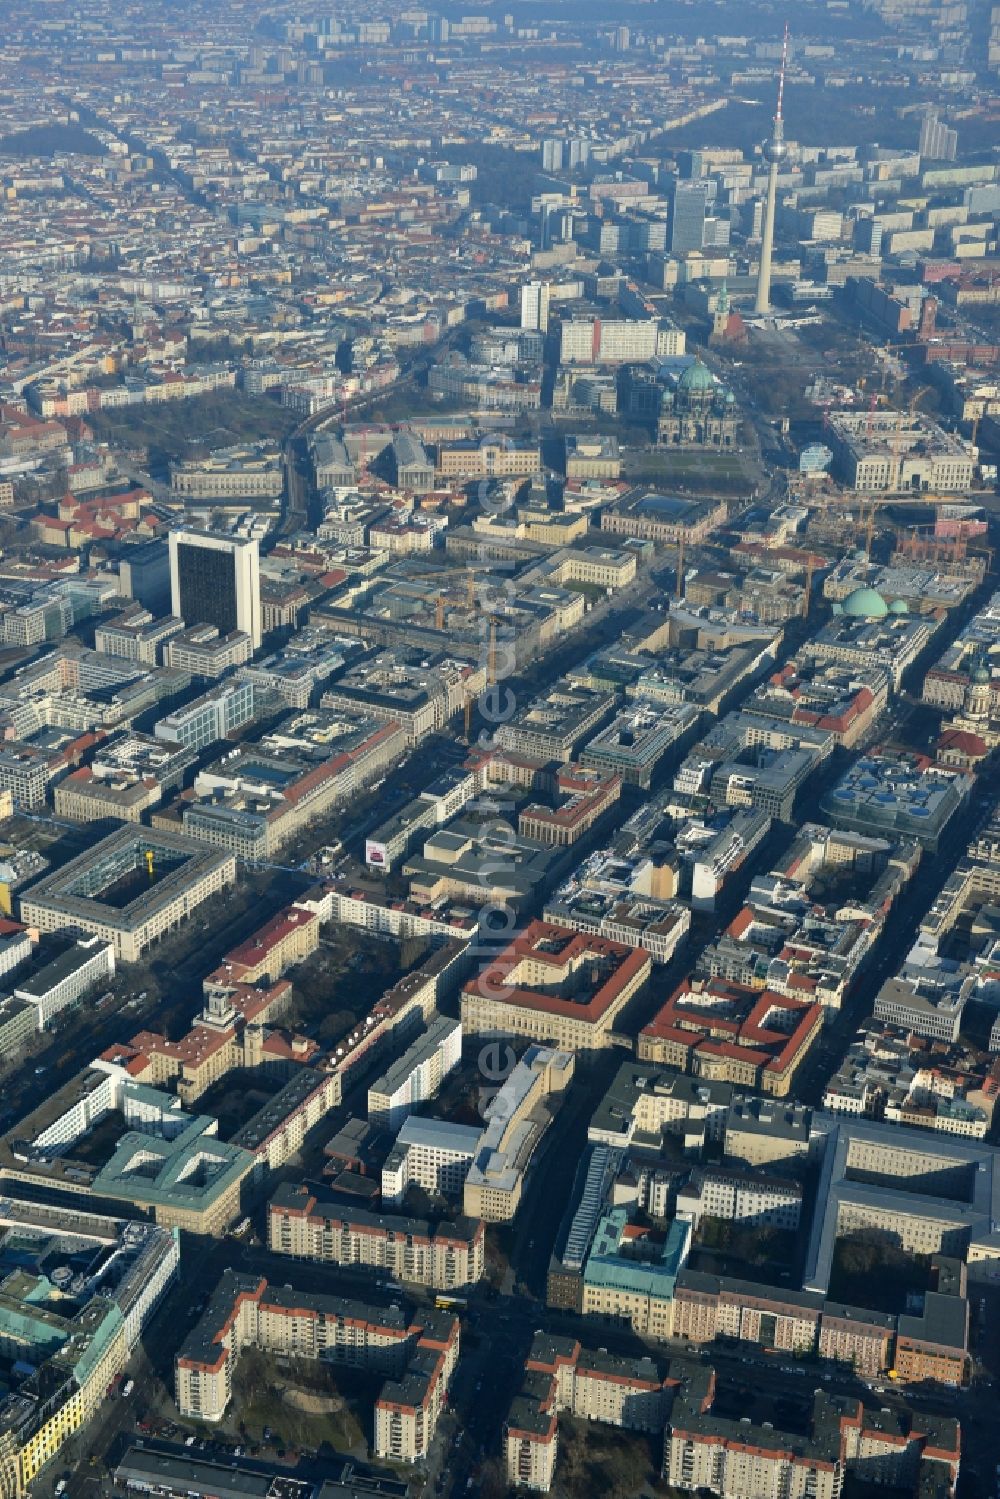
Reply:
x=775, y=152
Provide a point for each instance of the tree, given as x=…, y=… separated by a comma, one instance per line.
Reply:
x=493, y=1480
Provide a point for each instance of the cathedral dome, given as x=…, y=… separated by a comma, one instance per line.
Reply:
x=865, y=603
x=696, y=378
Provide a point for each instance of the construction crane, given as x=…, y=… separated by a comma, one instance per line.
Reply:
x=149, y=862
x=807, y=595
x=679, y=585
x=493, y=651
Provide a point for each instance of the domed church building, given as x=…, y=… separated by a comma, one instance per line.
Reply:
x=698, y=411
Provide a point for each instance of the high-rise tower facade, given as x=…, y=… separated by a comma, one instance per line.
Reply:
x=215, y=580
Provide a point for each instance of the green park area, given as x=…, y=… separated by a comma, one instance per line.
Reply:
x=193, y=427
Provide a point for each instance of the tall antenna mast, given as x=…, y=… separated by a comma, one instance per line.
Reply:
x=781, y=77
x=775, y=151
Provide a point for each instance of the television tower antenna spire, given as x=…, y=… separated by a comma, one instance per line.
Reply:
x=775, y=152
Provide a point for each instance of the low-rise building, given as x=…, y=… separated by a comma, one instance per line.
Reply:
x=555, y=985
x=732, y=1033
x=66, y=979
x=214, y=715
x=554, y=726
x=129, y=889
x=516, y=1119
x=899, y=795
x=638, y=738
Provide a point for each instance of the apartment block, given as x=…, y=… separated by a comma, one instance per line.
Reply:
x=445, y=1258
x=417, y=1075
x=417, y=1357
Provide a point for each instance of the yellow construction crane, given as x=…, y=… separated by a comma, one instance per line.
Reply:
x=149, y=862
x=493, y=651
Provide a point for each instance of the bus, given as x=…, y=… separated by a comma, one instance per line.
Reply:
x=450, y=1303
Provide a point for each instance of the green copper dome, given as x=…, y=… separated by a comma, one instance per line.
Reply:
x=696, y=377
x=865, y=603
x=899, y=606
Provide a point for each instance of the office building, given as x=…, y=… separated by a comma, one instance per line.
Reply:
x=535, y=306
x=555, y=985
x=65, y=1341
x=688, y=205
x=732, y=1033
x=431, y=1154
x=555, y=724
x=638, y=738
x=215, y=580
x=212, y=716
x=933, y=1195
x=897, y=795
x=66, y=979
x=129, y=889
x=516, y=1117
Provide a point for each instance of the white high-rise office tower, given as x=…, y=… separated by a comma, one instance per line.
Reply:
x=775, y=152
x=215, y=580
x=535, y=305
